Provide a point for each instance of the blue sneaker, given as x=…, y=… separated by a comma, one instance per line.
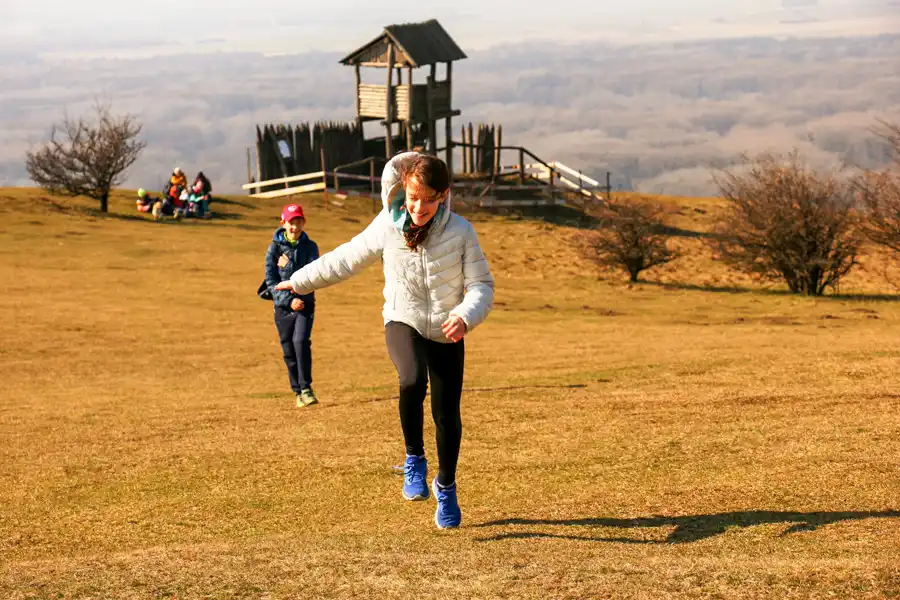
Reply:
x=415, y=472
x=447, y=514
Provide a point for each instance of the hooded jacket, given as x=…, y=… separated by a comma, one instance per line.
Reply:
x=302, y=253
x=447, y=274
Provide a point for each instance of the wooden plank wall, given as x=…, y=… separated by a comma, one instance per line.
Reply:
x=341, y=143
x=480, y=160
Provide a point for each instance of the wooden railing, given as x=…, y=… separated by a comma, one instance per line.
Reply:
x=555, y=177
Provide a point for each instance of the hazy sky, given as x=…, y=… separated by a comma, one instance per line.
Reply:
x=121, y=27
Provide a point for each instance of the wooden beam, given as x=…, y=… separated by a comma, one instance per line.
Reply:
x=383, y=65
x=303, y=177
x=389, y=117
x=312, y=187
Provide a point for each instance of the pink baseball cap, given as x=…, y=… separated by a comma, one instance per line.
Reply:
x=292, y=211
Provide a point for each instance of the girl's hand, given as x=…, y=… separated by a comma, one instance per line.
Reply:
x=284, y=285
x=454, y=328
x=297, y=304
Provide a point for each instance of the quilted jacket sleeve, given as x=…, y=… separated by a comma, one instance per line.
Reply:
x=478, y=281
x=345, y=260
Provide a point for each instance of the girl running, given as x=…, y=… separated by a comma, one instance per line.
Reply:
x=438, y=287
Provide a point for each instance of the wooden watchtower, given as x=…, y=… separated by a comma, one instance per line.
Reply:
x=411, y=106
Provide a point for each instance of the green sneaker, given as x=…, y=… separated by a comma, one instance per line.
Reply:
x=306, y=397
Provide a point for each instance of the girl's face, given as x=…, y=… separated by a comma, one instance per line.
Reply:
x=294, y=227
x=422, y=202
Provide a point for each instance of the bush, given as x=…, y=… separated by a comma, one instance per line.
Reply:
x=634, y=238
x=880, y=194
x=786, y=221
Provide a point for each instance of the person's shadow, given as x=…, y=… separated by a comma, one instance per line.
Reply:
x=690, y=528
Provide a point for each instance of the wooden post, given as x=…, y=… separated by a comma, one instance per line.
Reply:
x=295, y=160
x=448, y=125
x=550, y=174
x=358, y=102
x=372, y=176
x=465, y=162
x=324, y=174
x=258, y=165
x=432, y=122
x=521, y=166
x=499, y=143
x=409, y=108
x=608, y=188
x=471, y=150
x=249, y=173
x=389, y=99
x=479, y=136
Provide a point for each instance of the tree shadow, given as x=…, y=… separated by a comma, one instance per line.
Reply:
x=718, y=289
x=687, y=529
x=673, y=231
x=569, y=386
x=730, y=289
x=563, y=216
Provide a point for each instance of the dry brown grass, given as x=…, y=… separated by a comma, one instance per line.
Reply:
x=649, y=441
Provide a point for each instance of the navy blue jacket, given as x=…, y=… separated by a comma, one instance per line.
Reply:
x=299, y=255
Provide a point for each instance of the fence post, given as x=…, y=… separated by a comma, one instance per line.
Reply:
x=608, y=188
x=324, y=175
x=521, y=166
x=552, y=187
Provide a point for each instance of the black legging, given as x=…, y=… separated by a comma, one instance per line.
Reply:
x=417, y=359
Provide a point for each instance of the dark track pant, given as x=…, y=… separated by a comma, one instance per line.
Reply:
x=294, y=330
x=417, y=360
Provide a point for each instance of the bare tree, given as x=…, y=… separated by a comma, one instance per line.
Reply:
x=634, y=239
x=880, y=194
x=87, y=157
x=786, y=221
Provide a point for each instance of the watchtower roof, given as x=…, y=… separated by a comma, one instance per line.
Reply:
x=416, y=45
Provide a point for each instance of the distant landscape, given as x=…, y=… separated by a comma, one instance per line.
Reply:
x=658, y=116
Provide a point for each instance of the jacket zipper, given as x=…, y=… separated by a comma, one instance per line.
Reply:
x=427, y=295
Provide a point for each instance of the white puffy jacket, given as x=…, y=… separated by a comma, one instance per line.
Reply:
x=447, y=275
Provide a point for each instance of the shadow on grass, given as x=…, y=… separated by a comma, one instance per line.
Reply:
x=686, y=233
x=557, y=215
x=692, y=528
x=241, y=203
x=770, y=292
x=502, y=388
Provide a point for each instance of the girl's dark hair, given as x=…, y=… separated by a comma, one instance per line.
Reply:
x=431, y=171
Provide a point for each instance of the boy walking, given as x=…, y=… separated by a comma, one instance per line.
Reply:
x=290, y=250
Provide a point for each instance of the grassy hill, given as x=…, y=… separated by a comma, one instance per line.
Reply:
x=694, y=436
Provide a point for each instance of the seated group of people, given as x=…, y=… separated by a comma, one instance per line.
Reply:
x=178, y=198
